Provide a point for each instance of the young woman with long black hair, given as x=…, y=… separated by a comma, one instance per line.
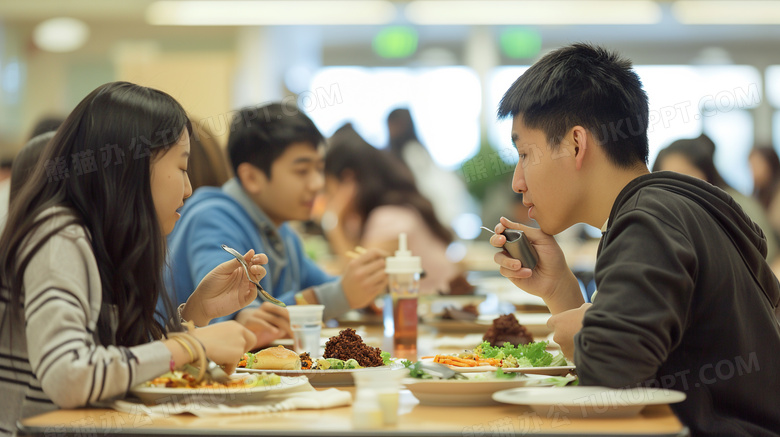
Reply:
x=82, y=259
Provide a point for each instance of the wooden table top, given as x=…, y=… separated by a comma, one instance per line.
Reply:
x=414, y=420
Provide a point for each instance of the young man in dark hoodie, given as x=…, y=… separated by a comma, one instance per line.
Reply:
x=685, y=298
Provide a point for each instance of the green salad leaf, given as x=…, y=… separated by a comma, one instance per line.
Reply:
x=500, y=374
x=559, y=360
x=263, y=379
x=352, y=364
x=386, y=358
x=415, y=370
x=335, y=363
x=529, y=355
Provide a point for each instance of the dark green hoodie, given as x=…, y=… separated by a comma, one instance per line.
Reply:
x=686, y=301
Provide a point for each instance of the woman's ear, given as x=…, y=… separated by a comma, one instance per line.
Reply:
x=252, y=178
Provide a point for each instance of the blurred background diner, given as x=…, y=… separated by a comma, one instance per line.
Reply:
x=419, y=80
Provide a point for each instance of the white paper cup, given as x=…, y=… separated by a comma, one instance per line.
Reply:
x=385, y=386
x=306, y=324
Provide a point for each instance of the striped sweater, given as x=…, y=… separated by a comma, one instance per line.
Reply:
x=50, y=357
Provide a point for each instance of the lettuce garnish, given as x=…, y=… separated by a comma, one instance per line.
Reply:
x=530, y=355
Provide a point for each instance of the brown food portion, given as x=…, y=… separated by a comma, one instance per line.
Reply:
x=506, y=328
x=468, y=312
x=306, y=361
x=348, y=345
x=459, y=285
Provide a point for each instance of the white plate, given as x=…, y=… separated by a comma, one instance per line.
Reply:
x=588, y=401
x=323, y=378
x=214, y=396
x=454, y=392
x=550, y=371
x=535, y=323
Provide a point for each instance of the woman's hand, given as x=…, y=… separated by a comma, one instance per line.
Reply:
x=551, y=279
x=225, y=290
x=225, y=342
x=268, y=322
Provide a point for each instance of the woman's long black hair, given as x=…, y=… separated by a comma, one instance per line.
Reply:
x=382, y=179
x=98, y=166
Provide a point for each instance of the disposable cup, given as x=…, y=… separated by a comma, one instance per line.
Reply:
x=306, y=324
x=385, y=386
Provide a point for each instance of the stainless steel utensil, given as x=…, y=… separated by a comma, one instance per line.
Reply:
x=213, y=372
x=518, y=247
x=441, y=371
x=264, y=294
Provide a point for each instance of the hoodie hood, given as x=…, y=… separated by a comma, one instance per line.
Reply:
x=743, y=232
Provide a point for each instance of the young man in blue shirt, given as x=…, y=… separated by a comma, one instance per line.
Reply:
x=275, y=152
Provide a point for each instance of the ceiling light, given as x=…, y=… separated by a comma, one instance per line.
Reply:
x=497, y=12
x=727, y=12
x=253, y=13
x=60, y=34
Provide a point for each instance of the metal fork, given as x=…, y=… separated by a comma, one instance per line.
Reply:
x=213, y=372
x=264, y=294
x=441, y=371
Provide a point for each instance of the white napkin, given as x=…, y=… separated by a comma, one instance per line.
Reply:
x=309, y=399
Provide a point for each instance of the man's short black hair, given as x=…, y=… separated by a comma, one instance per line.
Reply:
x=260, y=135
x=588, y=86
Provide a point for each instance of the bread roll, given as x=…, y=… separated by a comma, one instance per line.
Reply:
x=277, y=358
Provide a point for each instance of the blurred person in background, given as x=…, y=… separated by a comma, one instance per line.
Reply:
x=208, y=163
x=45, y=124
x=444, y=188
x=26, y=161
x=5, y=188
x=23, y=166
x=5, y=169
x=765, y=166
x=371, y=198
x=695, y=157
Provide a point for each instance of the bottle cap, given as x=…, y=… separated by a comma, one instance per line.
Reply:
x=403, y=261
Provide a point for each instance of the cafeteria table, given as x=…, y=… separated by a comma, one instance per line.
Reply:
x=414, y=420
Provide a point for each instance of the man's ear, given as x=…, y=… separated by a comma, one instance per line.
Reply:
x=581, y=142
x=252, y=178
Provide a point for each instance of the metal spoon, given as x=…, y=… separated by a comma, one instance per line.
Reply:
x=264, y=294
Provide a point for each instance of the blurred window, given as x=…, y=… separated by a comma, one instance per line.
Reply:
x=445, y=102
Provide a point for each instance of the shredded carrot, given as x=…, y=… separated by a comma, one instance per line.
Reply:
x=465, y=362
x=454, y=361
x=457, y=363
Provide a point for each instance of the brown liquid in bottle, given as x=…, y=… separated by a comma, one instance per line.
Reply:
x=405, y=321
